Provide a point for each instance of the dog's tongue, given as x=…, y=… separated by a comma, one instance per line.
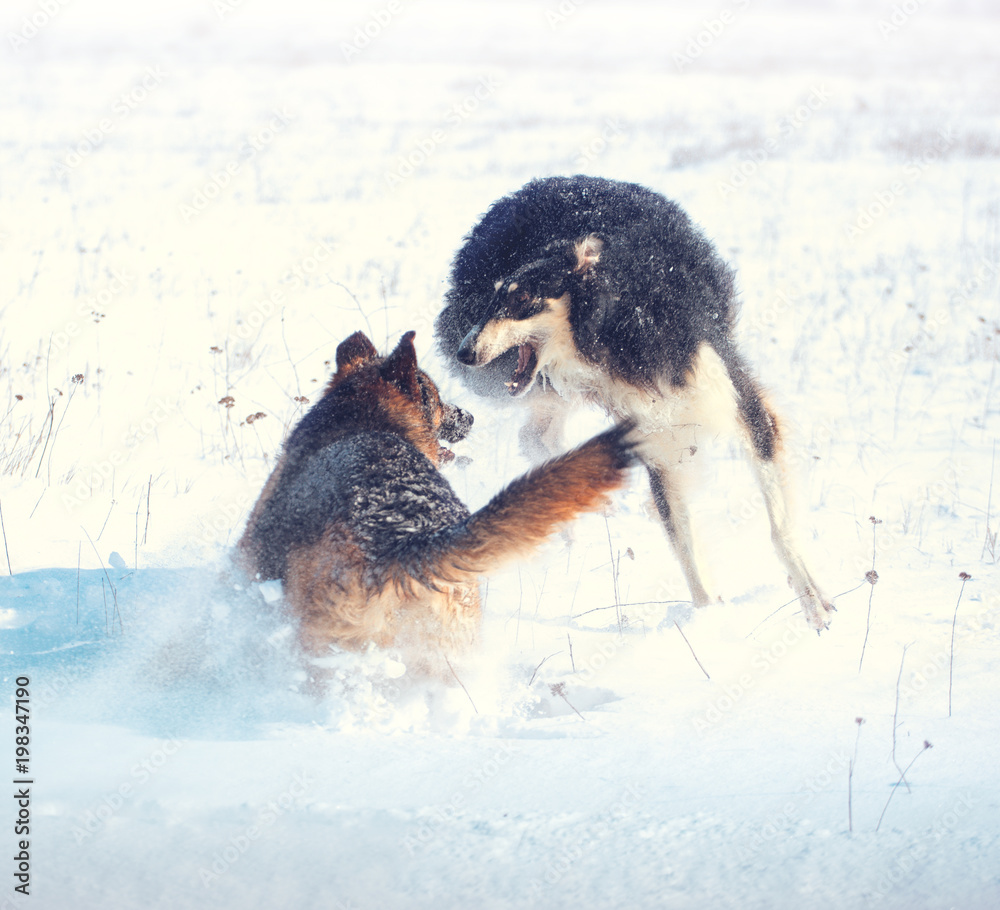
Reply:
x=523, y=356
x=525, y=365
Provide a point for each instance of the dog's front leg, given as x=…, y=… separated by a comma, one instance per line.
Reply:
x=541, y=436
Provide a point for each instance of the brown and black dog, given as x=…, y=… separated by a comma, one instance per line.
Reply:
x=367, y=536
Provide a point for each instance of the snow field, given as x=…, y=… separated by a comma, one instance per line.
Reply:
x=200, y=202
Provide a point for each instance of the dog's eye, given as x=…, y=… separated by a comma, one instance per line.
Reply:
x=518, y=300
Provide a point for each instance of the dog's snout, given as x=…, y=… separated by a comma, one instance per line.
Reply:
x=455, y=424
x=466, y=353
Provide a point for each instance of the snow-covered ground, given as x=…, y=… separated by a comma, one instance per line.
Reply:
x=199, y=200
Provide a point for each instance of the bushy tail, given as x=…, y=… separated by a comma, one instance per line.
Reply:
x=522, y=515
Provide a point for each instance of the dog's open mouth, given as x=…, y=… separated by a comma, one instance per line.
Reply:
x=527, y=363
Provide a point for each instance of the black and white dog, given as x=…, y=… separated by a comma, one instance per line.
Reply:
x=583, y=289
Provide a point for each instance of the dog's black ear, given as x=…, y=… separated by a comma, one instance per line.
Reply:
x=587, y=253
x=355, y=348
x=400, y=367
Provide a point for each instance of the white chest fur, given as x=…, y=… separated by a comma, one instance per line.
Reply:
x=706, y=402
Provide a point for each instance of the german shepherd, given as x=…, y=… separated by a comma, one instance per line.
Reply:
x=367, y=536
x=578, y=289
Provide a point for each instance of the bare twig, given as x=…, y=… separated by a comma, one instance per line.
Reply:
x=520, y=599
x=850, y=778
x=76, y=380
x=295, y=372
x=113, y=501
x=138, y=506
x=149, y=489
x=850, y=774
x=50, y=419
x=695, y=656
x=462, y=684
x=965, y=576
x=871, y=577
x=118, y=612
x=385, y=308
x=614, y=575
x=357, y=303
x=114, y=591
x=10, y=571
x=538, y=600
x=539, y=667
x=572, y=662
x=636, y=603
x=560, y=690
x=927, y=746
x=895, y=715
x=990, y=539
x=576, y=589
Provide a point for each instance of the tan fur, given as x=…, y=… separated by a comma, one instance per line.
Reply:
x=325, y=582
x=500, y=335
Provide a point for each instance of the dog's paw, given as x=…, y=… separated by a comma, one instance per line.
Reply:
x=817, y=610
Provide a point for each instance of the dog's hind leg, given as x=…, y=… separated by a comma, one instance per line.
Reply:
x=764, y=446
x=666, y=488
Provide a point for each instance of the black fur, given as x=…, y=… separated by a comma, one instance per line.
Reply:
x=377, y=484
x=658, y=290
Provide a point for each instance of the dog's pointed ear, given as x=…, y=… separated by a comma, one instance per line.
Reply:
x=353, y=349
x=587, y=253
x=400, y=367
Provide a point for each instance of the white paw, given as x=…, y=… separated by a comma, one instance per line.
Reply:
x=817, y=609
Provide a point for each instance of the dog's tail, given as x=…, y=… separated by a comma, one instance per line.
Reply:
x=522, y=515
